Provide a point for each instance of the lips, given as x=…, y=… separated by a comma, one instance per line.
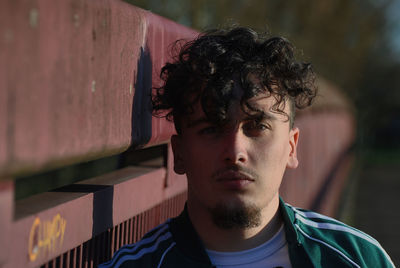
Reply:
x=233, y=175
x=234, y=180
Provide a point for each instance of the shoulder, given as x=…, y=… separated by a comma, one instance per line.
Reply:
x=328, y=236
x=148, y=252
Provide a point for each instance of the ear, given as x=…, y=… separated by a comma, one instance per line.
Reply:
x=176, y=144
x=293, y=162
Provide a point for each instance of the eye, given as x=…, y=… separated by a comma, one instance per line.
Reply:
x=209, y=130
x=255, y=127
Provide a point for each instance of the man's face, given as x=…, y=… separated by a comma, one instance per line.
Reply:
x=240, y=164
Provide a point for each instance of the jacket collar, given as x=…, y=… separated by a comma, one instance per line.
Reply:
x=297, y=254
x=188, y=241
x=289, y=220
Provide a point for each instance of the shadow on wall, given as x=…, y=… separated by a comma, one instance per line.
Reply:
x=103, y=195
x=140, y=135
x=142, y=109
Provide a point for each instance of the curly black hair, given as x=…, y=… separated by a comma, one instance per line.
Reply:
x=206, y=68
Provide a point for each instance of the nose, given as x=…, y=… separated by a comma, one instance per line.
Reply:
x=235, y=147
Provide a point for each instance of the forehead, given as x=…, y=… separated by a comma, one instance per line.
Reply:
x=262, y=105
x=265, y=101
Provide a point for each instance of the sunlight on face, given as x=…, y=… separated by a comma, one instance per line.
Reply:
x=234, y=171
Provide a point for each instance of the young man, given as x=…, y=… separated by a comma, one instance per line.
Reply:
x=232, y=96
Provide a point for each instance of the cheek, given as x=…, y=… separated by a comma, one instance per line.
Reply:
x=197, y=158
x=271, y=152
x=198, y=169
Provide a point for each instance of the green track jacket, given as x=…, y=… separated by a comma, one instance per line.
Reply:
x=314, y=240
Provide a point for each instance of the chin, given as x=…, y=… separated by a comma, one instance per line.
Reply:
x=237, y=213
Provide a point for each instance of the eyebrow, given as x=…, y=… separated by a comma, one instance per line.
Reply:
x=261, y=115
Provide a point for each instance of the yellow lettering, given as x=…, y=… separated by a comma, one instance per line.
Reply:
x=33, y=249
x=46, y=237
x=63, y=224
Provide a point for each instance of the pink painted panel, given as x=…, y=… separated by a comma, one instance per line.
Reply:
x=329, y=205
x=76, y=76
x=46, y=234
x=6, y=214
x=161, y=34
x=51, y=223
x=69, y=81
x=324, y=136
x=6, y=94
x=149, y=191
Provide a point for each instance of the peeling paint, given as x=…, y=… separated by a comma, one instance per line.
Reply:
x=93, y=86
x=75, y=19
x=33, y=17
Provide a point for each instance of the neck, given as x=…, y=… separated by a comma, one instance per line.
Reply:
x=235, y=239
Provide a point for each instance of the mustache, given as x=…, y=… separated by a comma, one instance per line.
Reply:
x=247, y=172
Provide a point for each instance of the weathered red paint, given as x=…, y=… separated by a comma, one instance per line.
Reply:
x=135, y=190
x=78, y=228
x=161, y=34
x=6, y=217
x=69, y=76
x=324, y=136
x=330, y=204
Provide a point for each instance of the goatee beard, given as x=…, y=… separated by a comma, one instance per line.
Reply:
x=242, y=217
